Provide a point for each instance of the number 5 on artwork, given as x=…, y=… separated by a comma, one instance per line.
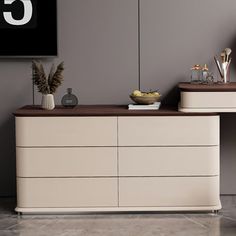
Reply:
x=28, y=13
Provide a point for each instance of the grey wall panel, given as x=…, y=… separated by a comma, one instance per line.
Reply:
x=98, y=42
x=15, y=91
x=175, y=35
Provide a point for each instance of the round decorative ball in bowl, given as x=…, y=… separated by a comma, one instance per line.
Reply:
x=145, y=98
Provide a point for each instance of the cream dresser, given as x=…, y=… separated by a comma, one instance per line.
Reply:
x=106, y=158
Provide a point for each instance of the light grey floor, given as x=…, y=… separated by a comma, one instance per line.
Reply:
x=148, y=224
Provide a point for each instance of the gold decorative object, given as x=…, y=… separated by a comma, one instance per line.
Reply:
x=145, y=98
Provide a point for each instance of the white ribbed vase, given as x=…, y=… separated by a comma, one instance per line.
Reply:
x=48, y=102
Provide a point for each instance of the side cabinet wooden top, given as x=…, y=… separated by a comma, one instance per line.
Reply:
x=101, y=110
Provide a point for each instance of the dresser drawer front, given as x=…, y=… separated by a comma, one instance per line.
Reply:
x=208, y=100
x=66, y=131
x=169, y=191
x=66, y=162
x=67, y=192
x=168, y=131
x=168, y=161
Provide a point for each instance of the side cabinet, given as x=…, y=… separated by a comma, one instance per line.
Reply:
x=117, y=163
x=207, y=98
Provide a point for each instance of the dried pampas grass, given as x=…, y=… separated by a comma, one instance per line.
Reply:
x=47, y=84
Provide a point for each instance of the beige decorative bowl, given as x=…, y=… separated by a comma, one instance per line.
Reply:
x=145, y=100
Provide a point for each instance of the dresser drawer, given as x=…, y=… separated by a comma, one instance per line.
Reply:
x=66, y=162
x=208, y=100
x=168, y=161
x=168, y=131
x=67, y=192
x=169, y=191
x=66, y=131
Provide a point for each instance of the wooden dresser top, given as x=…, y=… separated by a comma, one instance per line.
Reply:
x=101, y=110
x=188, y=87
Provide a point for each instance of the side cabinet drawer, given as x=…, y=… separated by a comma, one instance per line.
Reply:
x=67, y=192
x=168, y=161
x=206, y=100
x=169, y=191
x=66, y=131
x=66, y=162
x=168, y=131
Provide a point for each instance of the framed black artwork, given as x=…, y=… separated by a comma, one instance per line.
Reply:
x=28, y=28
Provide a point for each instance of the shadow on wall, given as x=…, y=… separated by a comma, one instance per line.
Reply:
x=172, y=97
x=228, y=150
x=7, y=157
x=233, y=47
